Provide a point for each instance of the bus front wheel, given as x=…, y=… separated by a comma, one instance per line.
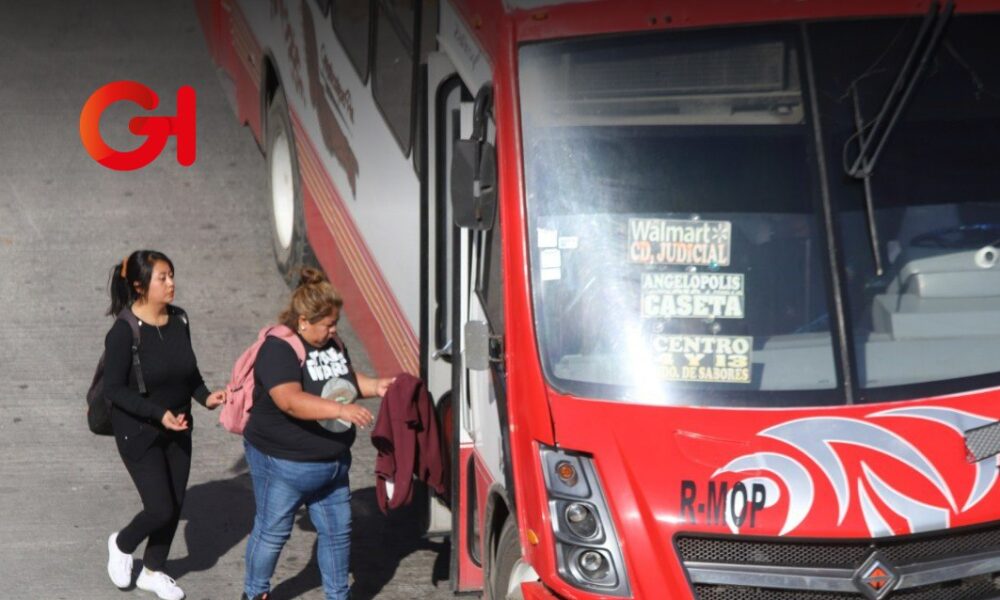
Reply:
x=288, y=228
x=508, y=566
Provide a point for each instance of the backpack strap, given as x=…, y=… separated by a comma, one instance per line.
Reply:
x=176, y=311
x=283, y=332
x=129, y=317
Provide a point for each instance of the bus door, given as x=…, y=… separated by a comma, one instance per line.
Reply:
x=449, y=118
x=454, y=73
x=445, y=96
x=478, y=369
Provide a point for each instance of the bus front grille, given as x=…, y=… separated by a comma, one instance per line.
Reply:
x=958, y=564
x=979, y=588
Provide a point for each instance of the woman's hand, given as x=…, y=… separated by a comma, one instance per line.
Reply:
x=382, y=385
x=369, y=387
x=355, y=413
x=215, y=399
x=173, y=422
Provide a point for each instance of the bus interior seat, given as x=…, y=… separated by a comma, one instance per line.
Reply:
x=934, y=295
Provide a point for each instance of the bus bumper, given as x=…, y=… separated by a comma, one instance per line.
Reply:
x=534, y=590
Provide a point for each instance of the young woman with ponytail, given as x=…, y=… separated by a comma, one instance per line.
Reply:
x=152, y=430
x=293, y=459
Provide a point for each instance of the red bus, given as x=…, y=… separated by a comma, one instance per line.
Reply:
x=711, y=287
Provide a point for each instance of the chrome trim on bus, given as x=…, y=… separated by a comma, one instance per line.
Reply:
x=840, y=580
x=765, y=576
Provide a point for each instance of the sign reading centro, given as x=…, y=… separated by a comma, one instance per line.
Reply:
x=695, y=295
x=679, y=242
x=703, y=358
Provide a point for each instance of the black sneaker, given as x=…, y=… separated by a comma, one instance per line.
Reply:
x=263, y=596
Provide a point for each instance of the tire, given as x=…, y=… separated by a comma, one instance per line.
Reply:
x=285, y=212
x=503, y=563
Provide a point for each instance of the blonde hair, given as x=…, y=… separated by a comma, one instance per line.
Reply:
x=314, y=299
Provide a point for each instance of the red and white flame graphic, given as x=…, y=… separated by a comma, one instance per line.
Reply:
x=878, y=478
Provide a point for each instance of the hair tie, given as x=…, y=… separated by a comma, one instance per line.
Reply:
x=124, y=263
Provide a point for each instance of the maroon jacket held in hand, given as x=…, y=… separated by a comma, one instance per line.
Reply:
x=408, y=441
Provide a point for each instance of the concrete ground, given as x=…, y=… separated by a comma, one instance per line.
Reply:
x=64, y=221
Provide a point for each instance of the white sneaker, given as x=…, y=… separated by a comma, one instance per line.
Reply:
x=160, y=584
x=119, y=563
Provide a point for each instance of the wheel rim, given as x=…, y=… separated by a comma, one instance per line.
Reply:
x=282, y=191
x=519, y=573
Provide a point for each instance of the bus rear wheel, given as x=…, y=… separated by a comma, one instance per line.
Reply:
x=508, y=566
x=288, y=227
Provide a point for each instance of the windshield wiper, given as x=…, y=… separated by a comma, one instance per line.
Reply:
x=872, y=137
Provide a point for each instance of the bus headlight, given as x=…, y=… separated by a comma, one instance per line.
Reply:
x=581, y=520
x=594, y=566
x=588, y=554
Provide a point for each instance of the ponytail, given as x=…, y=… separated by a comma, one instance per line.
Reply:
x=121, y=295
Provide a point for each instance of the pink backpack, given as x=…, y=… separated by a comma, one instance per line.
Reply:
x=239, y=391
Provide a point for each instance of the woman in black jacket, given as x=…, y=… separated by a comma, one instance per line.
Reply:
x=152, y=430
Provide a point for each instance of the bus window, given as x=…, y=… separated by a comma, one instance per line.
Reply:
x=490, y=276
x=350, y=22
x=936, y=210
x=404, y=13
x=323, y=6
x=392, y=70
x=704, y=135
x=449, y=98
x=429, y=10
x=428, y=43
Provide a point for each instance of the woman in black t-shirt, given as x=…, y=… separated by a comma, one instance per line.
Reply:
x=293, y=459
x=152, y=430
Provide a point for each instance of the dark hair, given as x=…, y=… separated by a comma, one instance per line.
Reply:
x=314, y=298
x=136, y=269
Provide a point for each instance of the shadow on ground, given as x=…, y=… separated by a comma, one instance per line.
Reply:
x=218, y=515
x=379, y=543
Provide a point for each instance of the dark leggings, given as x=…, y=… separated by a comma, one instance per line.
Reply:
x=161, y=477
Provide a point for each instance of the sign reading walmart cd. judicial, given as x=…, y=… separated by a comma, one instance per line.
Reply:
x=693, y=295
x=679, y=242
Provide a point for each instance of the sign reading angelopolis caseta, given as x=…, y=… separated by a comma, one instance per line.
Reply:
x=692, y=295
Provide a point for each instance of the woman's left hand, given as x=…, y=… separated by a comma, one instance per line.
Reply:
x=215, y=399
x=382, y=384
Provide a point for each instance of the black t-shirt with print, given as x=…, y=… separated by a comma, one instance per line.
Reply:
x=280, y=435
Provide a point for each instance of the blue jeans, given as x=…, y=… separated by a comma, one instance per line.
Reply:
x=280, y=487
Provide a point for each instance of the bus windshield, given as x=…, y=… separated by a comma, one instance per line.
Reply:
x=675, y=187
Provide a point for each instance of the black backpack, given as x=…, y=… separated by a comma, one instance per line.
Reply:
x=98, y=405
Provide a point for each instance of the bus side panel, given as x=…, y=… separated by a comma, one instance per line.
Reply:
x=342, y=249
x=210, y=16
x=335, y=230
x=530, y=420
x=484, y=483
x=334, y=263
x=244, y=61
x=470, y=575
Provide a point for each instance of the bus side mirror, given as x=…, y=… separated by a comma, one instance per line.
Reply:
x=481, y=348
x=476, y=355
x=474, y=170
x=474, y=184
